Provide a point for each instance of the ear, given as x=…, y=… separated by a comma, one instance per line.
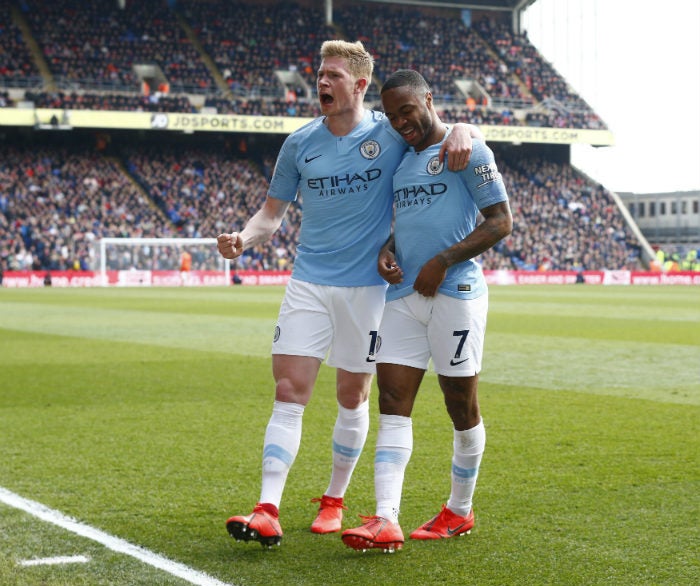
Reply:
x=361, y=84
x=428, y=99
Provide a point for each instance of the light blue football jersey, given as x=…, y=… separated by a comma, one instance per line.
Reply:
x=344, y=184
x=436, y=208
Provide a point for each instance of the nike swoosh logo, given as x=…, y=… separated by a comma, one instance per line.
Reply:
x=368, y=359
x=454, y=362
x=309, y=159
x=453, y=531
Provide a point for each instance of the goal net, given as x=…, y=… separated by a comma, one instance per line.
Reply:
x=162, y=262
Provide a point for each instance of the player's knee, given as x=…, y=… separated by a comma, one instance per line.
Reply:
x=394, y=402
x=288, y=392
x=464, y=414
x=353, y=391
x=284, y=390
x=353, y=399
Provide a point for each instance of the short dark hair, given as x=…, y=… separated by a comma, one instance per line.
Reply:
x=406, y=77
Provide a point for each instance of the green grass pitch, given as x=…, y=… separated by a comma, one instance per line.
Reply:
x=141, y=412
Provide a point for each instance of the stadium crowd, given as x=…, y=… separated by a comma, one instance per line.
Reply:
x=567, y=109
x=94, y=44
x=249, y=42
x=205, y=193
x=561, y=221
x=16, y=65
x=442, y=49
x=112, y=101
x=229, y=53
x=56, y=202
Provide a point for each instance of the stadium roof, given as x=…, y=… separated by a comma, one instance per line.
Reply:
x=507, y=5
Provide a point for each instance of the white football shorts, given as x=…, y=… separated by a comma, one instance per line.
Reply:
x=415, y=329
x=336, y=323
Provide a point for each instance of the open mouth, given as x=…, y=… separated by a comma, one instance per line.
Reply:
x=326, y=99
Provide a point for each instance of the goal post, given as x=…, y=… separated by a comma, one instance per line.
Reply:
x=136, y=260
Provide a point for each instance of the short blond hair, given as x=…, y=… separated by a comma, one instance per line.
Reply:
x=360, y=61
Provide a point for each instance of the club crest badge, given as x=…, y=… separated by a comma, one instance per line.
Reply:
x=434, y=166
x=370, y=149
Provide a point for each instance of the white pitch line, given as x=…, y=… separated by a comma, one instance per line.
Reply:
x=66, y=559
x=109, y=541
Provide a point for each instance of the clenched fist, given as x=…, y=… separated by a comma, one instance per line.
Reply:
x=230, y=245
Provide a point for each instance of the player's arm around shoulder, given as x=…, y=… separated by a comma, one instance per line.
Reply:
x=458, y=146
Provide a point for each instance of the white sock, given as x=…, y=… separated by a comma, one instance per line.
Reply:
x=349, y=436
x=467, y=451
x=282, y=439
x=394, y=447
